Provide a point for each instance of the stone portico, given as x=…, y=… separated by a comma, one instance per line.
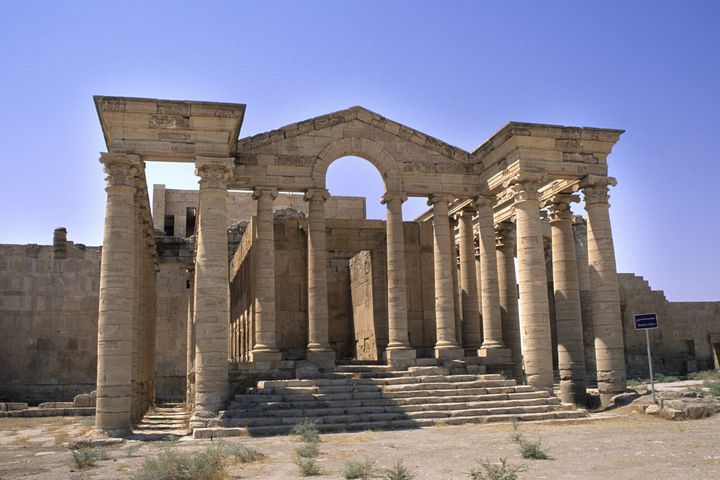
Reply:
x=486, y=208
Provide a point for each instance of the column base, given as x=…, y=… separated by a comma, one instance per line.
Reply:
x=449, y=353
x=573, y=392
x=324, y=359
x=495, y=355
x=400, y=357
x=200, y=418
x=267, y=357
x=114, y=432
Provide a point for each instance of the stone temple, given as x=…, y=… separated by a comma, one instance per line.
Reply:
x=261, y=282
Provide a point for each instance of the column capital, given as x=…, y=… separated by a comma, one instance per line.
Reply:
x=559, y=206
x=267, y=191
x=596, y=188
x=213, y=172
x=504, y=234
x=434, y=198
x=316, y=194
x=393, y=197
x=121, y=169
x=464, y=212
x=484, y=201
x=524, y=186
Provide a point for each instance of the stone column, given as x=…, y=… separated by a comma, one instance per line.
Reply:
x=508, y=295
x=265, y=349
x=534, y=304
x=115, y=319
x=211, y=289
x=190, y=341
x=604, y=292
x=398, y=352
x=493, y=348
x=318, y=349
x=568, y=315
x=446, y=345
x=471, y=338
x=581, y=255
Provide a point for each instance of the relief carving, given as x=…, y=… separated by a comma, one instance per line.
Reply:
x=165, y=107
x=169, y=122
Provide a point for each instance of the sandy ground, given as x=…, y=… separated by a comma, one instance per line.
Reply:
x=620, y=445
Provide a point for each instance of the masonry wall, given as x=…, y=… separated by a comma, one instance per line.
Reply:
x=681, y=344
x=48, y=321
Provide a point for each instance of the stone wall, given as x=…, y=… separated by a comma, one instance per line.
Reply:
x=48, y=320
x=682, y=344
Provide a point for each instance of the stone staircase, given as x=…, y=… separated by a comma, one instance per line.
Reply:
x=362, y=397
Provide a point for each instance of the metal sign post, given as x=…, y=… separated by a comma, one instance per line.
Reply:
x=647, y=322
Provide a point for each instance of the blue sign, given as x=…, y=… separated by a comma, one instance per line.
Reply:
x=645, y=321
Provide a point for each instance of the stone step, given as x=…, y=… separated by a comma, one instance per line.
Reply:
x=431, y=383
x=217, y=432
x=316, y=411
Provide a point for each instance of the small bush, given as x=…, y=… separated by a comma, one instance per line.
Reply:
x=530, y=448
x=308, y=450
x=496, y=471
x=308, y=467
x=234, y=452
x=355, y=469
x=712, y=387
x=87, y=457
x=398, y=472
x=307, y=430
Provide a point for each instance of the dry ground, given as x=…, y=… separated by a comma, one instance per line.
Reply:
x=623, y=445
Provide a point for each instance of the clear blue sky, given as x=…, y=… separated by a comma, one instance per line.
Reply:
x=455, y=70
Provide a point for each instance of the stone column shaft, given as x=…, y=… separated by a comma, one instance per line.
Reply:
x=445, y=346
x=398, y=352
x=534, y=304
x=604, y=291
x=318, y=349
x=508, y=295
x=265, y=349
x=568, y=315
x=211, y=289
x=115, y=319
x=471, y=338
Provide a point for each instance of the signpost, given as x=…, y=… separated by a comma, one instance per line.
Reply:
x=647, y=322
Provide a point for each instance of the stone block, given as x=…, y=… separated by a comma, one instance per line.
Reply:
x=82, y=400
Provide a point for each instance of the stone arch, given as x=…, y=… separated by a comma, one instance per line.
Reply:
x=363, y=148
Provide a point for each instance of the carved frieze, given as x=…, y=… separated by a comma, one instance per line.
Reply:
x=170, y=107
x=169, y=122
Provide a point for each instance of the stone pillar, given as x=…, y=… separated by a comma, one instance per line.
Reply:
x=115, y=319
x=493, y=348
x=454, y=261
x=190, y=341
x=534, y=304
x=604, y=292
x=265, y=349
x=211, y=289
x=568, y=315
x=471, y=339
x=398, y=352
x=508, y=295
x=318, y=349
x=581, y=255
x=446, y=345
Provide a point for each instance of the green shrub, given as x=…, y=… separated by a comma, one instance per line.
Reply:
x=308, y=450
x=307, y=430
x=529, y=448
x=234, y=452
x=398, y=472
x=496, y=471
x=712, y=387
x=308, y=467
x=87, y=457
x=356, y=469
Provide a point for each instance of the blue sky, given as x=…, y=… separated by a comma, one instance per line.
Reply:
x=455, y=70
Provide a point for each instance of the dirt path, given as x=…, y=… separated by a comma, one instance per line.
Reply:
x=622, y=446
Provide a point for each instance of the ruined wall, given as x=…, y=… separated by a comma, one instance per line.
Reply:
x=48, y=320
x=681, y=344
x=241, y=207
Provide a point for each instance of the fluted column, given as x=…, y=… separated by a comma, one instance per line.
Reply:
x=211, y=289
x=446, y=346
x=568, y=314
x=398, y=352
x=508, y=295
x=318, y=349
x=604, y=292
x=265, y=349
x=115, y=316
x=471, y=339
x=534, y=303
x=493, y=347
